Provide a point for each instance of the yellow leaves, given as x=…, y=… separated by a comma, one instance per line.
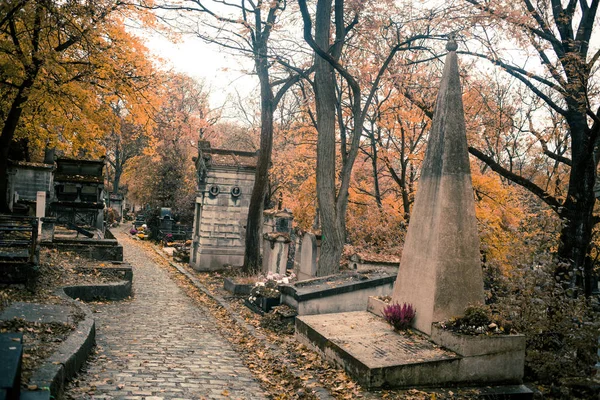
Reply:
x=499, y=213
x=69, y=104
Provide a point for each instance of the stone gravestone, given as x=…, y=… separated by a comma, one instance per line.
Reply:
x=275, y=252
x=308, y=257
x=277, y=228
x=297, y=253
x=440, y=272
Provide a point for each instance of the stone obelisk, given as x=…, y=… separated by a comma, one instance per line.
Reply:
x=440, y=272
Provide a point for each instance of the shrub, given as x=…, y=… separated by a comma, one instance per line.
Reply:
x=476, y=316
x=399, y=316
x=561, y=329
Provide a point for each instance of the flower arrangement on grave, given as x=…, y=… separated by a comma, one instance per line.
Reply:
x=267, y=286
x=478, y=320
x=142, y=232
x=399, y=316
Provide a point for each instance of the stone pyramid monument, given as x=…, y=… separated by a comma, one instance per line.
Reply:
x=440, y=272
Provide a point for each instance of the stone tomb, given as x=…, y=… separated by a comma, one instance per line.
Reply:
x=346, y=291
x=440, y=274
x=225, y=183
x=78, y=196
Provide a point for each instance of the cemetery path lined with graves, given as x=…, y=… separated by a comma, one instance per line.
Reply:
x=160, y=345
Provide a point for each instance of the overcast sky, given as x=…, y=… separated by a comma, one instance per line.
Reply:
x=223, y=73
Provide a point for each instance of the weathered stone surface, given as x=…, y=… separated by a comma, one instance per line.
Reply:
x=35, y=395
x=237, y=288
x=103, y=291
x=11, y=354
x=68, y=358
x=440, y=272
x=95, y=249
x=277, y=221
x=27, y=179
x=369, y=349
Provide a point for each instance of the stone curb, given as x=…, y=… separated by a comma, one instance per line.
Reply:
x=64, y=363
x=105, y=291
x=314, y=385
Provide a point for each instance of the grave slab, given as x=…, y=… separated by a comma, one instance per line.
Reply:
x=33, y=312
x=369, y=349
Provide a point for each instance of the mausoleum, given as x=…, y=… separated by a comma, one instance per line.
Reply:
x=225, y=183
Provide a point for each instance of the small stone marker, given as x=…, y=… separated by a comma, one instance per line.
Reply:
x=440, y=272
x=308, y=257
x=40, y=208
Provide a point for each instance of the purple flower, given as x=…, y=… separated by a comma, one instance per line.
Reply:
x=399, y=316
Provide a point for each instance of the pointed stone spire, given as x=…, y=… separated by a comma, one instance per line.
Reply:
x=440, y=272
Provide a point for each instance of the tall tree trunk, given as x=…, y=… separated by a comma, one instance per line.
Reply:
x=577, y=210
x=261, y=178
x=117, y=179
x=8, y=133
x=570, y=78
x=332, y=241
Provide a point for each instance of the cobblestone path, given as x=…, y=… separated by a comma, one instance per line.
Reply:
x=159, y=345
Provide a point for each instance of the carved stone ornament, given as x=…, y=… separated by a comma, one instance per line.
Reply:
x=214, y=190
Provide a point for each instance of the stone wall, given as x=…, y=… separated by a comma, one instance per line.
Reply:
x=220, y=219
